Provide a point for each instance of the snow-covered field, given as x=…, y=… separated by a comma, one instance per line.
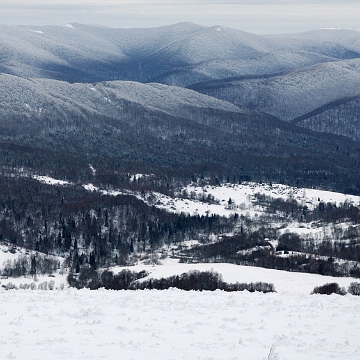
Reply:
x=174, y=324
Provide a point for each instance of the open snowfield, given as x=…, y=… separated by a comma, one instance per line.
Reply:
x=174, y=324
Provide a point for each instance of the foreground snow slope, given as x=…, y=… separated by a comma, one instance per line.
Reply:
x=175, y=324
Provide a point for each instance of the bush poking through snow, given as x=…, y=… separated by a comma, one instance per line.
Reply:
x=328, y=289
x=51, y=285
x=11, y=286
x=42, y=286
x=192, y=280
x=354, y=288
x=201, y=280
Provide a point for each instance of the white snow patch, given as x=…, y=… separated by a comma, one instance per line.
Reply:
x=243, y=195
x=50, y=181
x=329, y=28
x=139, y=176
x=90, y=187
x=8, y=253
x=93, y=170
x=36, y=31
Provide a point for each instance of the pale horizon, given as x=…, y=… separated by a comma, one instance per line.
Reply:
x=260, y=17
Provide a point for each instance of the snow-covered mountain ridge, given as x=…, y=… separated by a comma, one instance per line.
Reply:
x=286, y=75
x=48, y=48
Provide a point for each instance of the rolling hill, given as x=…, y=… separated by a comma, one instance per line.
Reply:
x=285, y=75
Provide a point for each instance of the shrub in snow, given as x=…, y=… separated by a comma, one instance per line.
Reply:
x=51, y=285
x=122, y=280
x=201, y=280
x=11, y=286
x=43, y=286
x=328, y=289
x=87, y=278
x=354, y=288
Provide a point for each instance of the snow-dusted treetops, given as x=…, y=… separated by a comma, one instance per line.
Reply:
x=204, y=143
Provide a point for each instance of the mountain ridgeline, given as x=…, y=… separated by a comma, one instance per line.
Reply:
x=182, y=101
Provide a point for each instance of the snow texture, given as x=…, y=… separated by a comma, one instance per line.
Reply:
x=173, y=324
x=243, y=195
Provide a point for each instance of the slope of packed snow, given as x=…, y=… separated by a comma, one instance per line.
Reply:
x=173, y=324
x=10, y=253
x=50, y=181
x=243, y=195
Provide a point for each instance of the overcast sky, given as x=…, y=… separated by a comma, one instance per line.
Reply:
x=257, y=16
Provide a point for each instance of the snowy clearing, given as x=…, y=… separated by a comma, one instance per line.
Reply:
x=173, y=324
x=242, y=196
x=50, y=181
